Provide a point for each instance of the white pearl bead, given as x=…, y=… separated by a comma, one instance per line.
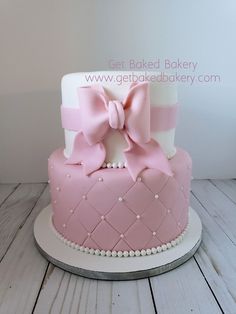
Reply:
x=81, y=248
x=120, y=164
x=49, y=181
x=114, y=165
x=89, y=234
x=97, y=252
x=138, y=216
x=113, y=253
x=137, y=253
x=103, y=253
x=131, y=253
x=68, y=175
x=104, y=165
x=86, y=250
x=71, y=211
x=164, y=247
x=125, y=164
x=108, y=165
x=168, y=245
x=108, y=253
x=154, y=233
x=154, y=250
x=100, y=179
x=120, y=199
x=125, y=253
x=168, y=211
x=91, y=251
x=58, y=188
x=64, y=225
x=119, y=253
x=159, y=249
x=77, y=247
x=143, y=252
x=102, y=217
x=156, y=196
x=149, y=252
x=122, y=236
x=84, y=197
x=173, y=243
x=55, y=202
x=139, y=179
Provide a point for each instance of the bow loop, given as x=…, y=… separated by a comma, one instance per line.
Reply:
x=116, y=114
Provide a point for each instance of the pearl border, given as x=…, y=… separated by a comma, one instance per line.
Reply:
x=108, y=253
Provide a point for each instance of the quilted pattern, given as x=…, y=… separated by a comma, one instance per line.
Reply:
x=109, y=211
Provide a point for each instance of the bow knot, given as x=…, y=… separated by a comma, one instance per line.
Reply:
x=116, y=114
x=132, y=116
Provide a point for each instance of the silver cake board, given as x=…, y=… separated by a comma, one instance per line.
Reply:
x=114, y=268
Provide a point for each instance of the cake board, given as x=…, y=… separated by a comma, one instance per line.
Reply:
x=114, y=268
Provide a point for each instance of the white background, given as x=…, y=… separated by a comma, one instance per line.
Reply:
x=42, y=40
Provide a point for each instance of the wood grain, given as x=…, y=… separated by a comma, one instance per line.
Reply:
x=14, y=212
x=22, y=268
x=218, y=205
x=216, y=258
x=68, y=293
x=183, y=290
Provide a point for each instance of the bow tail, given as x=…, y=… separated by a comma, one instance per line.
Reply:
x=149, y=155
x=90, y=156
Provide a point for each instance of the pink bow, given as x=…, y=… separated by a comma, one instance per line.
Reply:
x=131, y=117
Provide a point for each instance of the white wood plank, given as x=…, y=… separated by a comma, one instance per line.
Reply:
x=67, y=293
x=22, y=268
x=228, y=187
x=15, y=210
x=183, y=290
x=5, y=191
x=218, y=205
x=216, y=258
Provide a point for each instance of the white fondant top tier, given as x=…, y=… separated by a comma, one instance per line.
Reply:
x=161, y=94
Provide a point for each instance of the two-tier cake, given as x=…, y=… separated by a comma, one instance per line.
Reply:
x=120, y=188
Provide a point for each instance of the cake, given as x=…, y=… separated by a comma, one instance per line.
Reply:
x=119, y=187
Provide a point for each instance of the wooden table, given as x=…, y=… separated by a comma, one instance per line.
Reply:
x=205, y=284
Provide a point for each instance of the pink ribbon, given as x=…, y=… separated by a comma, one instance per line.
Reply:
x=131, y=117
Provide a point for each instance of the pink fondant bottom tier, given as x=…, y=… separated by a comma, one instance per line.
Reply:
x=109, y=211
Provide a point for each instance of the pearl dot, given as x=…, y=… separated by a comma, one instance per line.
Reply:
x=138, y=216
x=168, y=211
x=64, y=225
x=125, y=164
x=103, y=253
x=143, y=252
x=108, y=165
x=137, y=253
x=55, y=202
x=126, y=253
x=156, y=196
x=120, y=164
x=168, y=245
x=97, y=252
x=164, y=247
x=100, y=179
x=86, y=250
x=139, y=179
x=71, y=211
x=149, y=252
x=102, y=217
x=120, y=199
x=131, y=253
x=84, y=197
x=114, y=165
x=122, y=236
x=154, y=233
x=58, y=189
x=154, y=250
x=113, y=253
x=108, y=253
x=48, y=181
x=159, y=249
x=89, y=234
x=119, y=253
x=68, y=175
